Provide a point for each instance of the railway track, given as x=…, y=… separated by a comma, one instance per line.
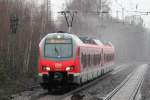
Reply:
x=40, y=97
x=79, y=89
x=130, y=86
x=39, y=94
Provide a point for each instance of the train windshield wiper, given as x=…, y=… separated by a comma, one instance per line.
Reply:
x=56, y=51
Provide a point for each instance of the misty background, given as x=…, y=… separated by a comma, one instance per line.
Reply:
x=18, y=51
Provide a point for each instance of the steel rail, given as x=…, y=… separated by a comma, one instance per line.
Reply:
x=134, y=94
x=85, y=86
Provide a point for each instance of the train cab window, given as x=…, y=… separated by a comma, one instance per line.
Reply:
x=58, y=48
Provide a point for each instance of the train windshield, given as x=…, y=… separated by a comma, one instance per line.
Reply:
x=58, y=48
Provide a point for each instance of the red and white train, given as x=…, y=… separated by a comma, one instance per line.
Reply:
x=66, y=58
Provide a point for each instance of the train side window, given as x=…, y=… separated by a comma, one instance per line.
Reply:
x=82, y=59
x=85, y=60
x=109, y=57
x=95, y=60
x=113, y=56
x=89, y=60
x=104, y=57
x=99, y=58
x=92, y=60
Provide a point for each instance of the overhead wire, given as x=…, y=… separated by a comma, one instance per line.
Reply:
x=129, y=11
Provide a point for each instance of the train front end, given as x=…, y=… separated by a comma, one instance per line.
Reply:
x=58, y=62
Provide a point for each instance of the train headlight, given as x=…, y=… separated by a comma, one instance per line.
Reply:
x=45, y=68
x=69, y=68
x=48, y=68
x=58, y=36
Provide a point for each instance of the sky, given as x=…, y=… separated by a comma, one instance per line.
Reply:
x=56, y=6
x=128, y=5
x=132, y=5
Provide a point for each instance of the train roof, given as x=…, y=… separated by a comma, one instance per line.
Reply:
x=87, y=40
x=90, y=40
x=64, y=35
x=78, y=39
